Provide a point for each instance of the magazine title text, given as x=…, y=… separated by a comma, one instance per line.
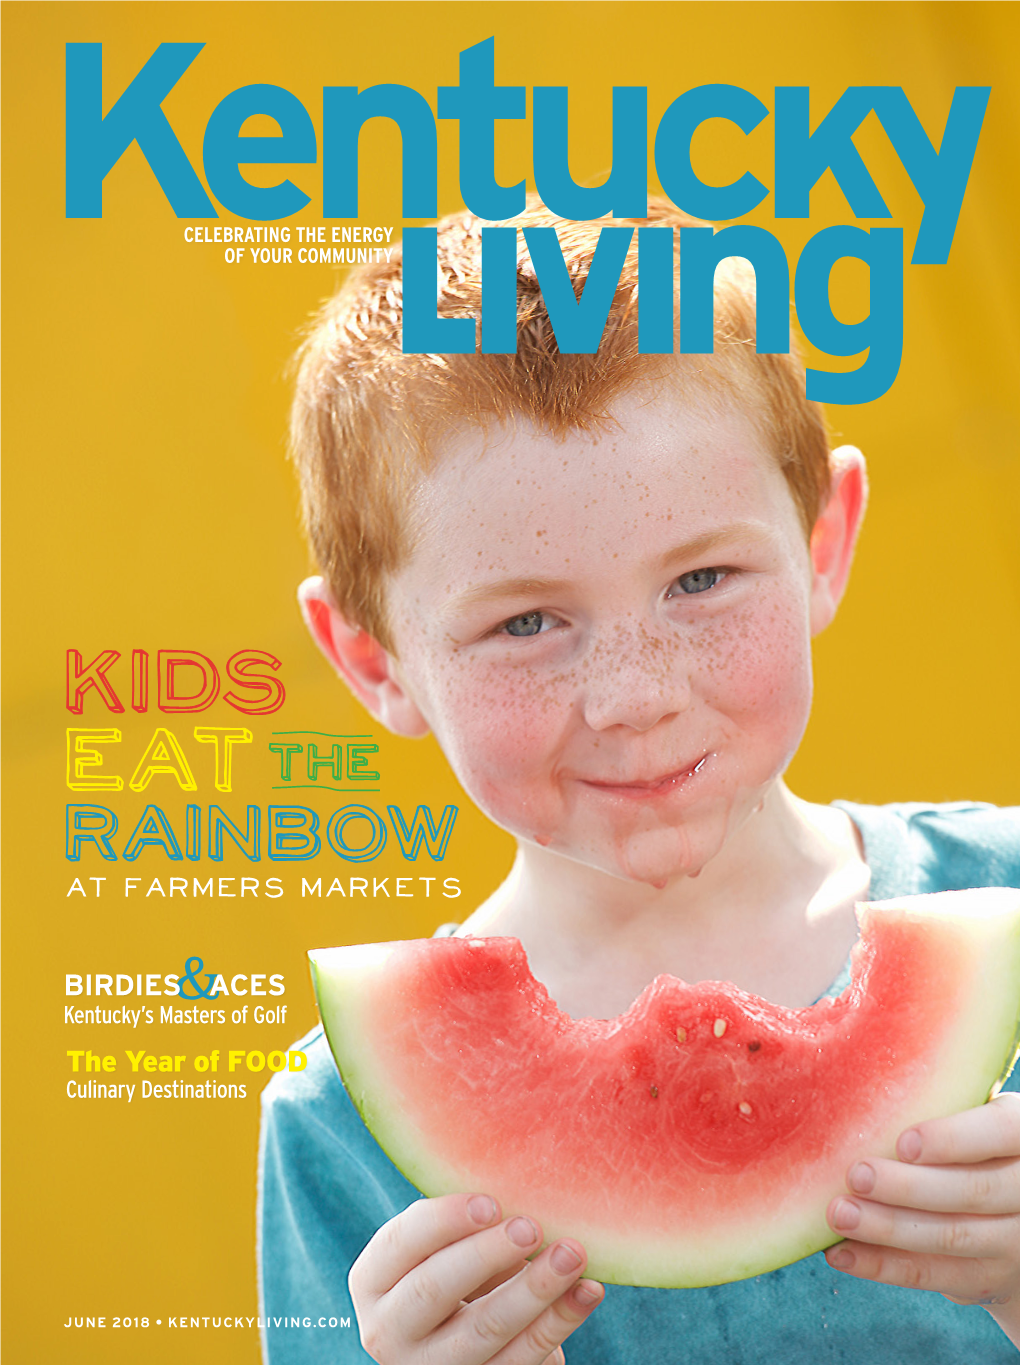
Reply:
x=96, y=143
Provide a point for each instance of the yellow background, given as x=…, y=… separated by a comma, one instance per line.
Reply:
x=148, y=505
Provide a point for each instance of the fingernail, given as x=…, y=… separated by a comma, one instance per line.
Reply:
x=909, y=1146
x=522, y=1232
x=564, y=1259
x=845, y=1215
x=481, y=1209
x=586, y=1293
x=840, y=1258
x=861, y=1178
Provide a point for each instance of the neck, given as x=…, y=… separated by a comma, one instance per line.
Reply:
x=772, y=912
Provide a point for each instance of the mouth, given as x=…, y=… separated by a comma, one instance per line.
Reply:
x=643, y=788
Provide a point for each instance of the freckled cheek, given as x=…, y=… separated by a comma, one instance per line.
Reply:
x=758, y=664
x=497, y=730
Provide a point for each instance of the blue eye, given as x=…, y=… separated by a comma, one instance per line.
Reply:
x=529, y=623
x=698, y=580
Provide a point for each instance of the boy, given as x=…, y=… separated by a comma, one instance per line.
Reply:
x=595, y=579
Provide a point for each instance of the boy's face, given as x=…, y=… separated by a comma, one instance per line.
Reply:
x=609, y=635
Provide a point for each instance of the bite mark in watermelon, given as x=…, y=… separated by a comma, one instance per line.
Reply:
x=698, y=1137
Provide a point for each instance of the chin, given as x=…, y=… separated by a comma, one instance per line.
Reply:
x=655, y=860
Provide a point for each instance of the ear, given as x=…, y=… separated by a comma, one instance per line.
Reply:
x=835, y=534
x=370, y=671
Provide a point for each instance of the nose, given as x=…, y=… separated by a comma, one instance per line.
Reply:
x=635, y=678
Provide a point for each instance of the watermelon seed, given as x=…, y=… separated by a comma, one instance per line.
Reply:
x=753, y=1046
x=719, y=1027
x=681, y=1035
x=744, y=1107
x=655, y=1092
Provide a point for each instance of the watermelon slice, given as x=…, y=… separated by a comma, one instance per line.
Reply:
x=699, y=1137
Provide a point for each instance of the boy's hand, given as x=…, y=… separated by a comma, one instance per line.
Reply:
x=945, y=1216
x=447, y=1283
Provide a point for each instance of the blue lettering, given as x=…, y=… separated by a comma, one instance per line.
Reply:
x=880, y=333
x=701, y=250
x=224, y=149
x=95, y=144
x=477, y=102
x=673, y=151
x=578, y=322
x=344, y=112
x=624, y=193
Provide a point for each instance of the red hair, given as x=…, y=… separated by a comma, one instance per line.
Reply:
x=367, y=419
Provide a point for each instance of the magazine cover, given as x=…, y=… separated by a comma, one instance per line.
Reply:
x=205, y=778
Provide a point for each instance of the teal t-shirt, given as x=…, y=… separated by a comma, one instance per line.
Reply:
x=326, y=1186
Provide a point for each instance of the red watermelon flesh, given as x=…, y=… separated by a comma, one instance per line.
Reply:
x=698, y=1137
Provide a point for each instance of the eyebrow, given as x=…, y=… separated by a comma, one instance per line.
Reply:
x=508, y=587
x=754, y=531
x=551, y=587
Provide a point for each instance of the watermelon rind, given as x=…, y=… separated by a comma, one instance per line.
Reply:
x=958, y=953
